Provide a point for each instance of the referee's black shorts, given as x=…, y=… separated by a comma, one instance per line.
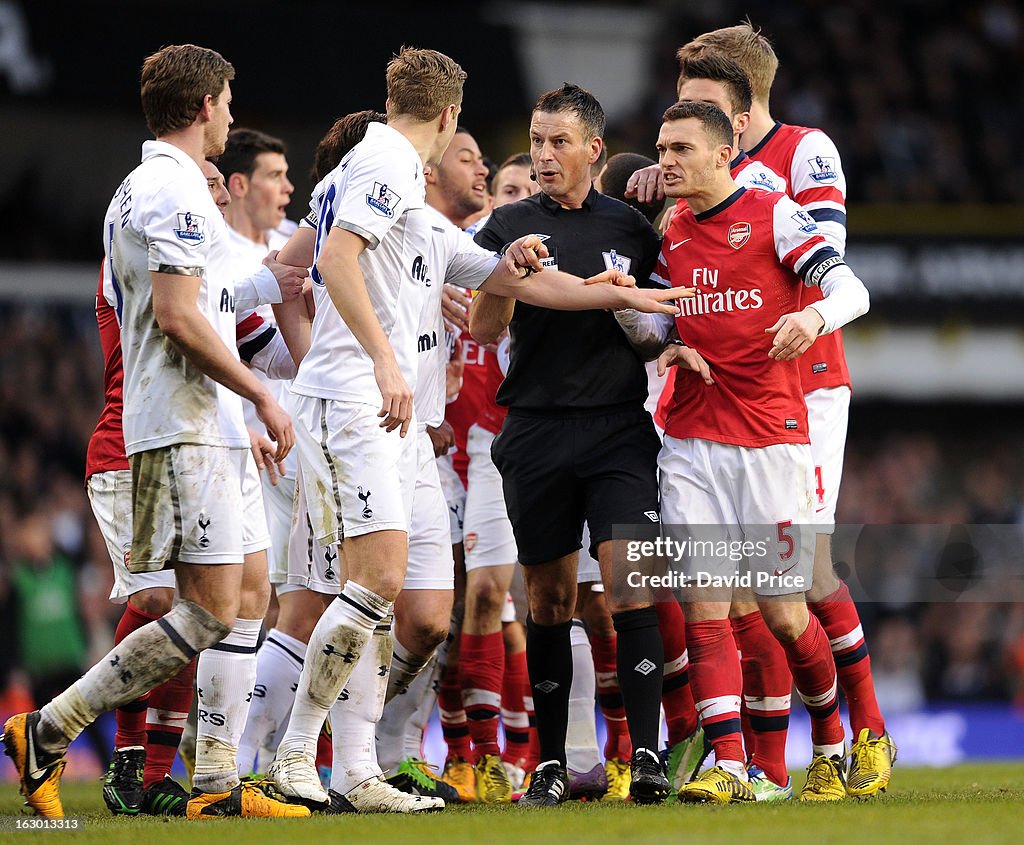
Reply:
x=597, y=465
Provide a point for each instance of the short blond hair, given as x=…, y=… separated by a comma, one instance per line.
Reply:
x=422, y=83
x=746, y=46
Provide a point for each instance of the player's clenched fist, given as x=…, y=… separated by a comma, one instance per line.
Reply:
x=523, y=255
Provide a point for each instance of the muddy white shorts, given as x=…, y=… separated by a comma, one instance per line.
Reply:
x=194, y=504
x=358, y=477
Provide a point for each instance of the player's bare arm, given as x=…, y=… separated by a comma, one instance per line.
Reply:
x=295, y=317
x=522, y=276
x=489, y=316
x=564, y=292
x=339, y=267
x=179, y=318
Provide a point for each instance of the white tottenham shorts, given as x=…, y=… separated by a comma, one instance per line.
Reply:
x=454, y=496
x=358, y=477
x=431, y=565
x=110, y=495
x=310, y=565
x=195, y=504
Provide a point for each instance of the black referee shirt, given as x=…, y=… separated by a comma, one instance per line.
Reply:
x=574, y=360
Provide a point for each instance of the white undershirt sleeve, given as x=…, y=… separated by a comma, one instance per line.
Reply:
x=648, y=334
x=845, y=300
x=261, y=288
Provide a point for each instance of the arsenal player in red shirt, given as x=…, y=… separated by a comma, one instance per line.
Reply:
x=736, y=460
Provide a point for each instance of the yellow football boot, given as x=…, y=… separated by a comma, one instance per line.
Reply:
x=39, y=784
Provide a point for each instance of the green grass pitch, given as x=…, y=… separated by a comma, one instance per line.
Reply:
x=977, y=804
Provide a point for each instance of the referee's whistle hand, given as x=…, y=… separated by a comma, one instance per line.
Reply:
x=526, y=253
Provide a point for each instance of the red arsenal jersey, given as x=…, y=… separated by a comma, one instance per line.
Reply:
x=812, y=167
x=746, y=173
x=481, y=378
x=746, y=257
x=106, y=446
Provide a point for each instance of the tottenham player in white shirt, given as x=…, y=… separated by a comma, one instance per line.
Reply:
x=370, y=273
x=183, y=429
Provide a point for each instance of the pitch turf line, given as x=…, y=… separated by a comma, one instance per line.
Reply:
x=976, y=804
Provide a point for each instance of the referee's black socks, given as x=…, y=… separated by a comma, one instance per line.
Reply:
x=640, y=661
x=549, y=659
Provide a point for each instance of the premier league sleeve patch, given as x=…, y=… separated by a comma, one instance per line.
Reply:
x=190, y=228
x=804, y=222
x=614, y=261
x=383, y=200
x=823, y=169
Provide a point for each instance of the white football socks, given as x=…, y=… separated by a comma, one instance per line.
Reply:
x=278, y=666
x=400, y=729
x=581, y=750
x=141, y=661
x=406, y=665
x=355, y=715
x=335, y=648
x=225, y=676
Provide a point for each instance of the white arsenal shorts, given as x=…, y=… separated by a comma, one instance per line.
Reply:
x=828, y=414
x=110, y=494
x=487, y=532
x=742, y=512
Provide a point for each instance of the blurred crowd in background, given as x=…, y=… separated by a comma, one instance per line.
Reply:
x=915, y=93
x=55, y=573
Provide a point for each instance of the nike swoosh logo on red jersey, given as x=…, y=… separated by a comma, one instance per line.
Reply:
x=673, y=246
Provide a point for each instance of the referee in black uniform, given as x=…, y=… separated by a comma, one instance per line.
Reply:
x=577, y=443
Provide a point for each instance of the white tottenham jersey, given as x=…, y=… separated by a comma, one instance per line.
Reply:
x=246, y=257
x=454, y=258
x=163, y=219
x=377, y=192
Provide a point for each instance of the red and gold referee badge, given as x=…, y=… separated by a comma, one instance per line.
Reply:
x=739, y=234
